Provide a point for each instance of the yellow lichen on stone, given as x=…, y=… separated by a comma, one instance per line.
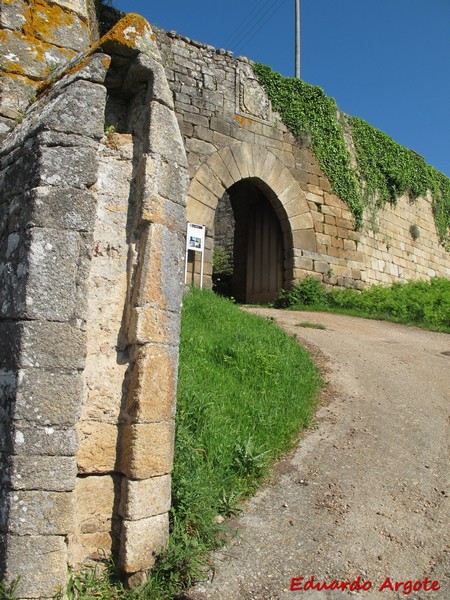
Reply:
x=106, y=61
x=12, y=68
x=126, y=32
x=45, y=18
x=242, y=120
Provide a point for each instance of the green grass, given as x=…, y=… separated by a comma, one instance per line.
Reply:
x=422, y=303
x=101, y=580
x=8, y=590
x=245, y=391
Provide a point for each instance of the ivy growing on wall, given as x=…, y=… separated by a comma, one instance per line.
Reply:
x=390, y=170
x=385, y=170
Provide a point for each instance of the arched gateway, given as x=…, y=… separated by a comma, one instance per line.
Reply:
x=267, y=208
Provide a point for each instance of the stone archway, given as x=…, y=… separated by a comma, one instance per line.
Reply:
x=249, y=256
x=248, y=162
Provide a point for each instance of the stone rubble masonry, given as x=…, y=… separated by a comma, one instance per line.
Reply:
x=91, y=265
x=225, y=137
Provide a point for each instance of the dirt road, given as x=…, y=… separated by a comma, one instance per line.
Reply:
x=366, y=494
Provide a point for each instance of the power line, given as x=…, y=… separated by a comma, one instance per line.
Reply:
x=259, y=21
x=237, y=32
x=252, y=32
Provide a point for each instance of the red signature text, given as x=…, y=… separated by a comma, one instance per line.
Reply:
x=405, y=587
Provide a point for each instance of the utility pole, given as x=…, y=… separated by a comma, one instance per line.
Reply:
x=297, y=39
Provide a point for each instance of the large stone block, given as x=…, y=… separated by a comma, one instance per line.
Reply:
x=94, y=69
x=303, y=221
x=96, y=516
x=147, y=450
x=52, y=345
x=143, y=499
x=31, y=441
x=39, y=561
x=152, y=387
x=273, y=175
x=164, y=135
x=13, y=14
x=160, y=269
x=54, y=208
x=206, y=177
x=16, y=93
x=166, y=180
x=98, y=447
x=304, y=239
x=49, y=473
x=231, y=171
x=24, y=52
x=141, y=541
x=152, y=325
x=78, y=109
x=156, y=209
x=51, y=290
x=74, y=167
x=90, y=546
x=59, y=27
x=48, y=397
x=41, y=513
x=203, y=195
x=200, y=213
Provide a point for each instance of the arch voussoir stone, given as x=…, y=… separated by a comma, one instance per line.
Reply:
x=220, y=170
x=206, y=177
x=243, y=156
x=269, y=161
x=230, y=163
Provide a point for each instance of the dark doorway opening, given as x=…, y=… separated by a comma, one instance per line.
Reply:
x=248, y=261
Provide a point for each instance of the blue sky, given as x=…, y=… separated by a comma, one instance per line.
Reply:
x=386, y=61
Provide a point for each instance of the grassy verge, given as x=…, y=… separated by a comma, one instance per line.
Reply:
x=422, y=303
x=245, y=390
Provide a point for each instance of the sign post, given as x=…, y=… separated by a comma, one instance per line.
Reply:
x=195, y=240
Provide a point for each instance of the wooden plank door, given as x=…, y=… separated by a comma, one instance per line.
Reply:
x=265, y=255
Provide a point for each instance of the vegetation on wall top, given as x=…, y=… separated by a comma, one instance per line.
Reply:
x=385, y=170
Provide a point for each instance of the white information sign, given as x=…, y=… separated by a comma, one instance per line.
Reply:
x=195, y=240
x=195, y=237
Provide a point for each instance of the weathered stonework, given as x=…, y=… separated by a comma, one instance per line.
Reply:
x=86, y=220
x=37, y=38
x=231, y=134
x=94, y=178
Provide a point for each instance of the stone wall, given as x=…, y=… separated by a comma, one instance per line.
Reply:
x=231, y=133
x=48, y=169
x=384, y=251
x=91, y=263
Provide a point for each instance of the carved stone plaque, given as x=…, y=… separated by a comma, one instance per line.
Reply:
x=251, y=101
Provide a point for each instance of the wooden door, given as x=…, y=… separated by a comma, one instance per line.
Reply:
x=265, y=254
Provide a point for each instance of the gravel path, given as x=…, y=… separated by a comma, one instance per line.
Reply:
x=366, y=494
